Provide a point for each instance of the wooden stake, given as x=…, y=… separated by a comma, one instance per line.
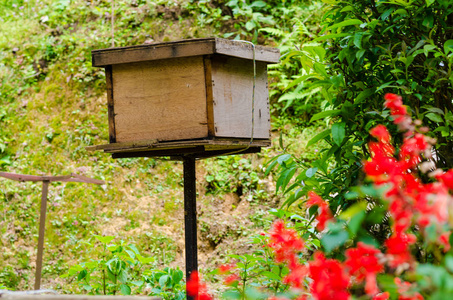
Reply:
x=42, y=230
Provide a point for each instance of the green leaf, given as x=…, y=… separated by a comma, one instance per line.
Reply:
x=383, y=86
x=319, y=137
x=258, y=4
x=338, y=132
x=177, y=276
x=163, y=280
x=270, y=167
x=330, y=241
x=429, y=2
x=320, y=69
x=354, y=216
x=234, y=295
x=325, y=114
x=283, y=158
x=104, y=239
x=82, y=275
x=449, y=262
x=435, y=110
x=358, y=39
x=125, y=289
x=363, y=95
x=448, y=46
x=311, y=172
x=271, y=275
x=428, y=21
x=330, y=36
x=249, y=25
x=359, y=54
x=122, y=276
x=345, y=23
x=434, y=117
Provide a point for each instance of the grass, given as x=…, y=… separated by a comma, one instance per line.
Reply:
x=53, y=105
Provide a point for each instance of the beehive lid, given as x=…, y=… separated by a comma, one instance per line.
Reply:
x=183, y=48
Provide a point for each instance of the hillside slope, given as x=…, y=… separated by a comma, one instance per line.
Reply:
x=53, y=105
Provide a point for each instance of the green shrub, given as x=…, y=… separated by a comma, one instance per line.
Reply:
x=368, y=48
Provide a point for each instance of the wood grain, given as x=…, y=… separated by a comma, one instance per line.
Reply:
x=183, y=48
x=163, y=100
x=111, y=111
x=232, y=81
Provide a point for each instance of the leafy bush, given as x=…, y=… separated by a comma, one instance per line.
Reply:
x=413, y=262
x=367, y=48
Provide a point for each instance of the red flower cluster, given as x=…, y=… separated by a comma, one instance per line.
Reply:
x=330, y=281
x=324, y=213
x=362, y=263
x=410, y=200
x=286, y=244
x=197, y=289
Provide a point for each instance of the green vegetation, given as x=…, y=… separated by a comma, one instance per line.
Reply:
x=338, y=58
x=364, y=50
x=53, y=105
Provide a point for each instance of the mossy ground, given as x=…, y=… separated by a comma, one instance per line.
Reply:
x=53, y=105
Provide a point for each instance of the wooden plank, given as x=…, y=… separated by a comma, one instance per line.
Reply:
x=176, y=49
x=153, y=145
x=183, y=48
x=209, y=97
x=163, y=100
x=115, y=146
x=232, y=97
x=110, y=104
x=245, y=50
x=65, y=178
x=42, y=231
x=7, y=295
x=198, y=152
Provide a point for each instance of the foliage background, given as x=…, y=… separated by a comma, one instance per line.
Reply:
x=53, y=105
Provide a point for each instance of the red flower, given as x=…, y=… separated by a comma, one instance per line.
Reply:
x=381, y=133
x=296, y=276
x=197, y=289
x=404, y=288
x=285, y=242
x=231, y=280
x=363, y=264
x=398, y=249
x=224, y=269
x=330, y=282
x=324, y=213
x=444, y=240
x=446, y=179
x=382, y=296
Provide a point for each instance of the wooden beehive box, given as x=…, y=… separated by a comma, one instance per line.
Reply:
x=186, y=97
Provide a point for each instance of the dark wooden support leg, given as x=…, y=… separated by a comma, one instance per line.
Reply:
x=190, y=216
x=42, y=230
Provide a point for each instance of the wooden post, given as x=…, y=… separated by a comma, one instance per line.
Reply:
x=42, y=230
x=190, y=216
x=42, y=218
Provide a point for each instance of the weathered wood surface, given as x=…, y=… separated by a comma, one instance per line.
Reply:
x=232, y=85
x=184, y=48
x=179, y=154
x=208, y=144
x=110, y=106
x=26, y=296
x=209, y=104
x=163, y=100
x=66, y=178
